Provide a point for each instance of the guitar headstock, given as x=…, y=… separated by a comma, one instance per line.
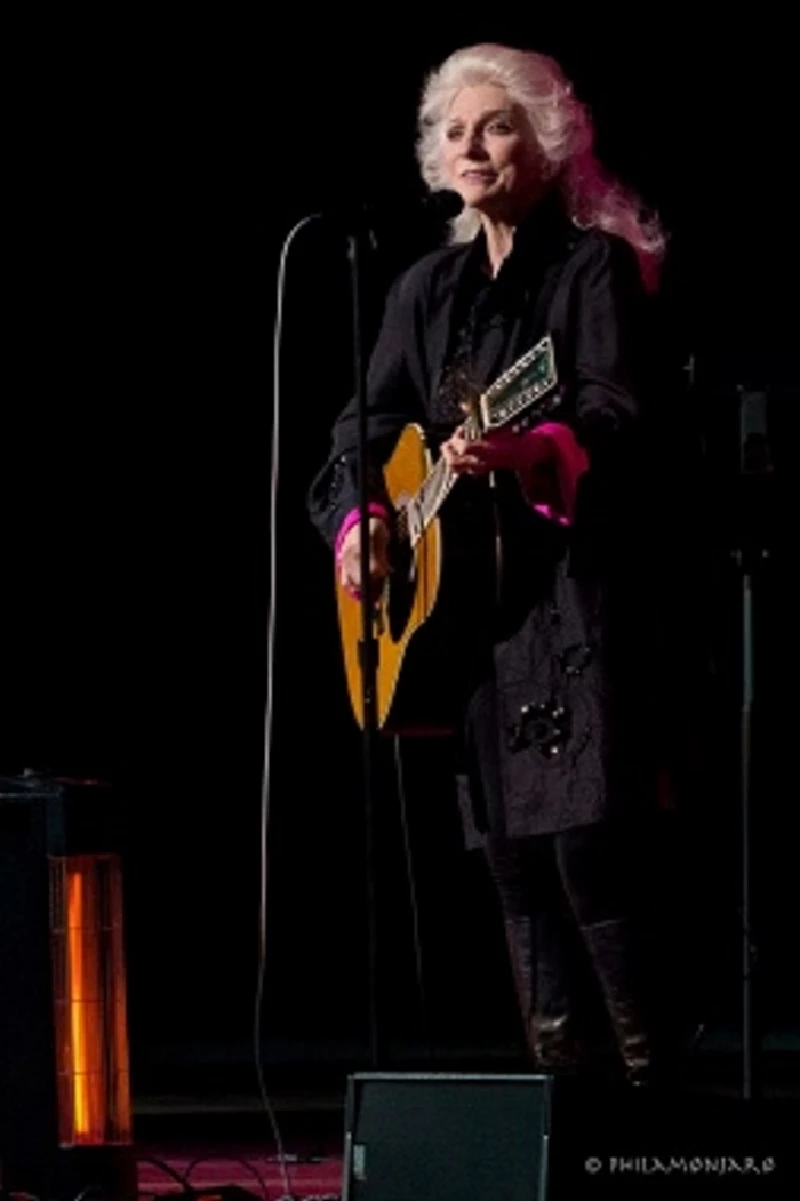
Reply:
x=526, y=392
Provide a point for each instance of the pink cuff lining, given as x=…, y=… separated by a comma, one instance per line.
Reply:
x=557, y=463
x=353, y=518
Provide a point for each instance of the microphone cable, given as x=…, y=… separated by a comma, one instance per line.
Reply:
x=266, y=795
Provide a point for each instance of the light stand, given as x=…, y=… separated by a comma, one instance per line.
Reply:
x=750, y=555
x=739, y=499
x=747, y=565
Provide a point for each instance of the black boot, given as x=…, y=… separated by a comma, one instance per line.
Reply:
x=555, y=1045
x=619, y=972
x=550, y=1026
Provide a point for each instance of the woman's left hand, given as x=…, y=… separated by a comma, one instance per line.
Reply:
x=496, y=451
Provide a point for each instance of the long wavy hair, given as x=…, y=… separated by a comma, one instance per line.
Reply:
x=563, y=129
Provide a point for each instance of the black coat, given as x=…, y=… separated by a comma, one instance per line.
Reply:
x=561, y=721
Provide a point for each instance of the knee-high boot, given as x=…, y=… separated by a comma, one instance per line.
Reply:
x=619, y=972
x=545, y=1006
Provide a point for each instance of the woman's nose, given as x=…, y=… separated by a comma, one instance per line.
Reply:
x=474, y=143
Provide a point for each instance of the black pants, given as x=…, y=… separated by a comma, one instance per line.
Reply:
x=552, y=890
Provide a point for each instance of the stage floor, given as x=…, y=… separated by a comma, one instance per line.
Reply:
x=692, y=1143
x=171, y=1171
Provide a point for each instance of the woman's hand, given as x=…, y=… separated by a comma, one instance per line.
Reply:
x=458, y=450
x=499, y=450
x=349, y=560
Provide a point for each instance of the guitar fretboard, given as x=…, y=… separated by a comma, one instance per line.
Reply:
x=435, y=488
x=432, y=493
x=522, y=387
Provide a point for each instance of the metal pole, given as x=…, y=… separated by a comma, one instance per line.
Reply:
x=367, y=652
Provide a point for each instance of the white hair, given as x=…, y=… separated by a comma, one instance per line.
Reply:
x=563, y=129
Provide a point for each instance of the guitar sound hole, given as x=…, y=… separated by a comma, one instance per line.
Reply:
x=401, y=590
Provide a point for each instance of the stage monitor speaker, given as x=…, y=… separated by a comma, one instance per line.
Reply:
x=440, y=1137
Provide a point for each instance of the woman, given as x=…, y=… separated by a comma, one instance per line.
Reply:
x=559, y=756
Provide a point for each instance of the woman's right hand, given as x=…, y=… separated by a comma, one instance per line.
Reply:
x=349, y=561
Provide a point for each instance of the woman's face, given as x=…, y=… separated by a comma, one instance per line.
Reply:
x=491, y=158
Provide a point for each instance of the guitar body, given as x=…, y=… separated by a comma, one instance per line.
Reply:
x=409, y=595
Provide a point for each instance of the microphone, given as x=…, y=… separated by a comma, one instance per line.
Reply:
x=365, y=214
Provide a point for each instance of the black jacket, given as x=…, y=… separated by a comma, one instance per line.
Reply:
x=577, y=604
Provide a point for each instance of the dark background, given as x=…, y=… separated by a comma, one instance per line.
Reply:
x=155, y=168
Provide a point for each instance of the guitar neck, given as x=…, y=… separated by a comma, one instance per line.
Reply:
x=528, y=386
x=434, y=490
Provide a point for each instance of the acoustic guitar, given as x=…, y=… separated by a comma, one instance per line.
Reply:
x=417, y=488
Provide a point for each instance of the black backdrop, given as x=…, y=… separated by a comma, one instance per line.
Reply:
x=155, y=169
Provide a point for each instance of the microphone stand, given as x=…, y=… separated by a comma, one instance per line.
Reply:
x=367, y=644
x=444, y=204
